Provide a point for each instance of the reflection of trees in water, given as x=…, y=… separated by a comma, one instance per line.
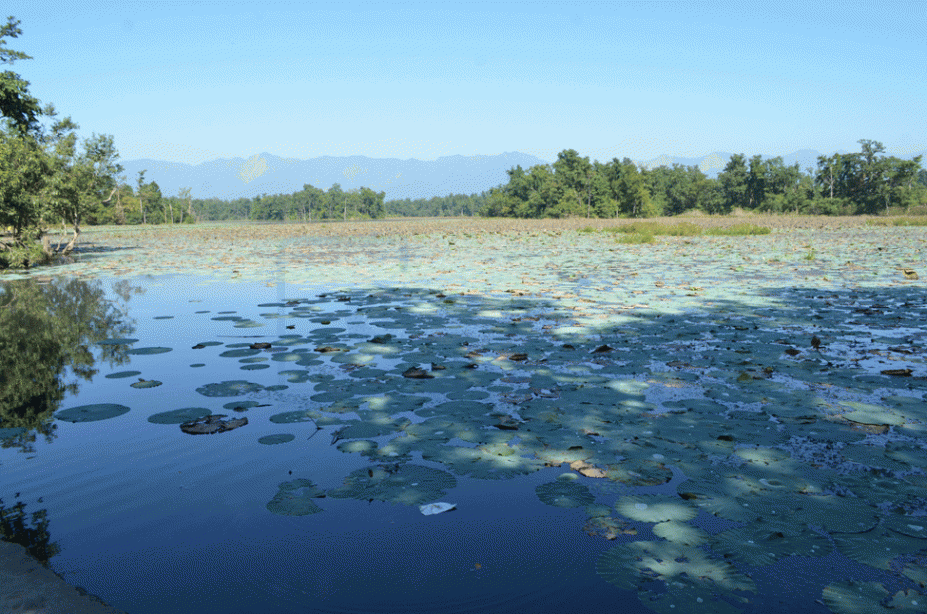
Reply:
x=14, y=527
x=47, y=336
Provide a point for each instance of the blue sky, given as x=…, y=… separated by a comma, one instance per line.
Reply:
x=195, y=81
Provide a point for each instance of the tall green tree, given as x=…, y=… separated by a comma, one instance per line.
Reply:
x=733, y=180
x=17, y=105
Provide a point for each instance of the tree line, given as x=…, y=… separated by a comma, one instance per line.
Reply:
x=841, y=184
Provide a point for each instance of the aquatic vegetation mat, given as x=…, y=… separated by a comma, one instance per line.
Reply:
x=715, y=405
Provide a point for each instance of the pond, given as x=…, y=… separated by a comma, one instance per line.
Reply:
x=699, y=425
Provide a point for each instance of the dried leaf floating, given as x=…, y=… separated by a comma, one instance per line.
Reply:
x=212, y=424
x=909, y=274
x=590, y=471
x=429, y=509
x=897, y=372
x=260, y=346
x=416, y=373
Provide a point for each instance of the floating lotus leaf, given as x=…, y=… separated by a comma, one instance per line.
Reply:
x=270, y=440
x=911, y=454
x=196, y=365
x=295, y=498
x=253, y=360
x=295, y=376
x=248, y=324
x=627, y=565
x=358, y=446
x=228, y=318
x=912, y=526
x=123, y=374
x=164, y=317
x=908, y=601
x=655, y=508
x=11, y=433
x=146, y=383
x=232, y=388
x=564, y=493
x=241, y=405
x=835, y=514
x=151, y=350
x=716, y=503
x=292, y=417
x=91, y=413
x=763, y=456
x=872, y=456
x=179, y=416
x=917, y=572
x=407, y=484
x=239, y=353
x=597, y=510
x=276, y=387
x=215, y=423
x=879, y=547
x=368, y=429
x=747, y=545
x=637, y=472
x=119, y=341
x=255, y=367
x=874, y=416
x=206, y=344
x=680, y=533
x=288, y=356
x=854, y=597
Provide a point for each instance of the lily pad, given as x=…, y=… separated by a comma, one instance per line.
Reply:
x=232, y=388
x=91, y=413
x=179, y=416
x=854, y=597
x=295, y=498
x=122, y=374
x=150, y=350
x=680, y=533
x=270, y=440
x=564, y=493
x=119, y=341
x=241, y=405
x=146, y=383
x=655, y=508
x=407, y=484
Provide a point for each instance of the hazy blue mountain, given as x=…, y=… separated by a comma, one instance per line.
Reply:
x=268, y=174
x=231, y=178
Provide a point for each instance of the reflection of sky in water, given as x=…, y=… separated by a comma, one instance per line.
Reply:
x=128, y=499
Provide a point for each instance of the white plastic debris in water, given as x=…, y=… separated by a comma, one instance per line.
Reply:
x=436, y=508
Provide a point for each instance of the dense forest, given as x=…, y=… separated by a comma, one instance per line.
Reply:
x=48, y=177
x=842, y=184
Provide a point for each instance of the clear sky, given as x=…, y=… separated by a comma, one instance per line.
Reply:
x=198, y=80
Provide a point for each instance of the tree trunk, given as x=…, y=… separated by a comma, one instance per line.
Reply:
x=120, y=212
x=72, y=243
x=171, y=205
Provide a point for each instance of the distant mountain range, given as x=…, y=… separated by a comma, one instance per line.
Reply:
x=231, y=178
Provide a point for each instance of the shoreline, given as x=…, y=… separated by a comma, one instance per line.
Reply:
x=30, y=588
